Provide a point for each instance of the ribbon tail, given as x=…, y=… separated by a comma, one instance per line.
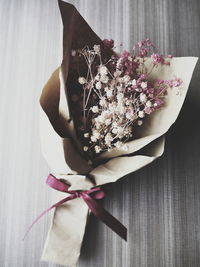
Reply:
x=105, y=216
x=46, y=211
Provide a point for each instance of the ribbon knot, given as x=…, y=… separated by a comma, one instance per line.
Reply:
x=89, y=197
x=76, y=194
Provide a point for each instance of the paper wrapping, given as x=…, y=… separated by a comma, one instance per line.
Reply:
x=62, y=150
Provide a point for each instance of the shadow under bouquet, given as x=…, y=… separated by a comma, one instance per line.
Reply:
x=103, y=115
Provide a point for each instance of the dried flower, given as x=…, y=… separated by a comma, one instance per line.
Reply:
x=95, y=109
x=156, y=58
x=118, y=94
x=86, y=135
x=143, y=97
x=103, y=70
x=98, y=85
x=148, y=104
x=139, y=122
x=141, y=114
x=82, y=80
x=85, y=148
x=118, y=144
x=96, y=48
x=73, y=53
x=97, y=149
x=104, y=79
x=144, y=85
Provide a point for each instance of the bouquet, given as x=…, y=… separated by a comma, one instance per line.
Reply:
x=103, y=116
x=118, y=93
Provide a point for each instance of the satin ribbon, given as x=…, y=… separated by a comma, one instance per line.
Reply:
x=89, y=197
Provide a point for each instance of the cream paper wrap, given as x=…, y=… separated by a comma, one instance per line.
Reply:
x=62, y=151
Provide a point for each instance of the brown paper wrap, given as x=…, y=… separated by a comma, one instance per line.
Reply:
x=62, y=149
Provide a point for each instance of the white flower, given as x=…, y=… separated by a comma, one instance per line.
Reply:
x=129, y=115
x=139, y=122
x=130, y=58
x=108, y=138
x=127, y=78
x=97, y=77
x=118, y=144
x=119, y=88
x=100, y=119
x=115, y=124
x=137, y=90
x=98, y=85
x=98, y=126
x=141, y=114
x=128, y=131
x=96, y=48
x=86, y=135
x=114, y=130
x=120, y=96
x=95, y=133
x=109, y=93
x=73, y=53
x=93, y=139
x=143, y=97
x=107, y=122
x=111, y=107
x=95, y=109
x=95, y=136
x=128, y=102
x=134, y=82
x=117, y=73
x=143, y=85
x=103, y=70
x=82, y=80
x=85, y=148
x=149, y=104
x=97, y=149
x=104, y=79
x=121, y=109
x=102, y=102
x=106, y=114
x=120, y=131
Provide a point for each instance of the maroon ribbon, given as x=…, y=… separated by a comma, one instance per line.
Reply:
x=89, y=197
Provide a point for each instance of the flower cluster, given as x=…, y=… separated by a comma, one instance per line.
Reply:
x=118, y=94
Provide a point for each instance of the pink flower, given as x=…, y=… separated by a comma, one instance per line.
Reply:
x=175, y=83
x=156, y=58
x=127, y=63
x=143, y=52
x=123, y=93
x=149, y=43
x=148, y=110
x=158, y=103
x=143, y=76
x=140, y=43
x=124, y=54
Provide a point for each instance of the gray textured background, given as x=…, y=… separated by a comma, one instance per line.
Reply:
x=159, y=204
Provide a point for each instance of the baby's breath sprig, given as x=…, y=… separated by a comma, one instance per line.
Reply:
x=122, y=93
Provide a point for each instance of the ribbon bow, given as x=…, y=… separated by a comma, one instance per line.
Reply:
x=89, y=197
